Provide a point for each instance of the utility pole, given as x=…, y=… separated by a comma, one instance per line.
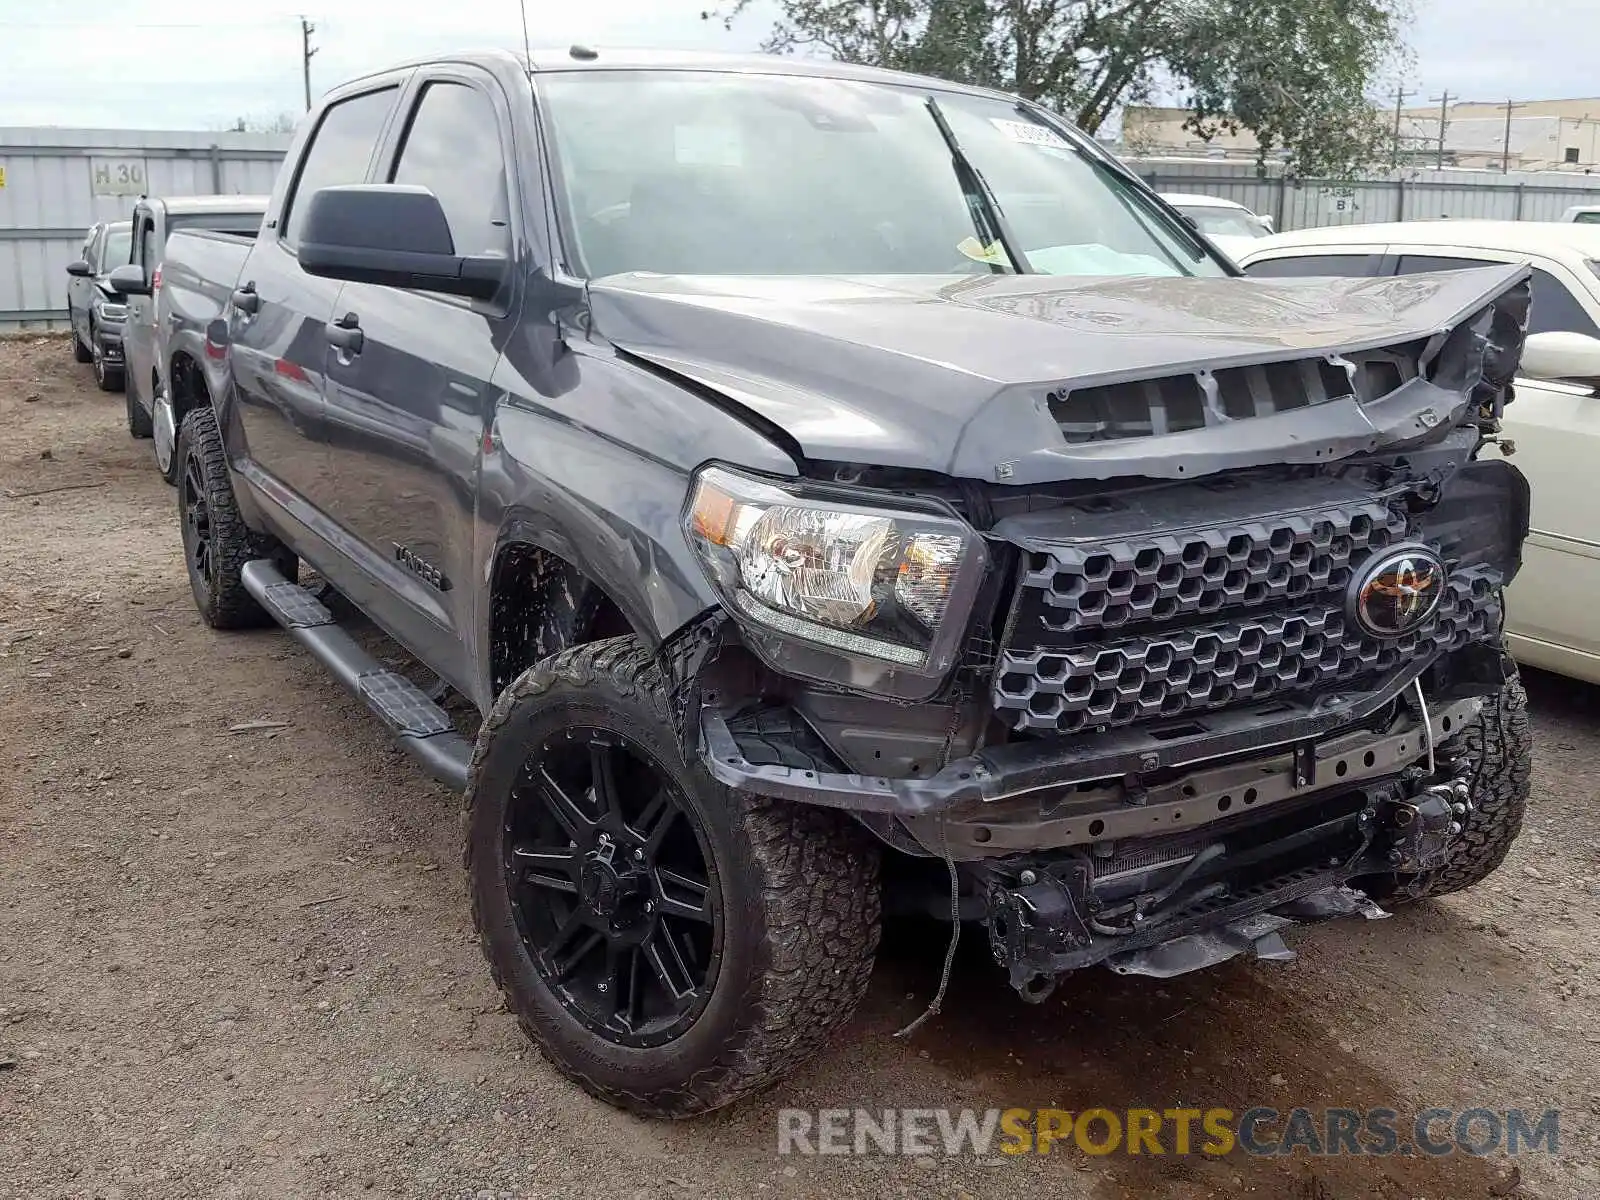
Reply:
x=306, y=51
x=1400, y=95
x=1444, y=118
x=1505, y=158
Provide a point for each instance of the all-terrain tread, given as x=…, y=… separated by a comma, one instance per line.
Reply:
x=229, y=604
x=1499, y=747
x=820, y=902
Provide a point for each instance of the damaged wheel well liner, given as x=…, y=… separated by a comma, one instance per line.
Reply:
x=539, y=605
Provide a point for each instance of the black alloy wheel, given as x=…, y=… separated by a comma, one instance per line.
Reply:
x=198, y=539
x=612, y=887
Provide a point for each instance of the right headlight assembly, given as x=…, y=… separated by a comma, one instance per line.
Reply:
x=878, y=588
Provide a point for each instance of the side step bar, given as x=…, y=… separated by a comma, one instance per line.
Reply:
x=424, y=730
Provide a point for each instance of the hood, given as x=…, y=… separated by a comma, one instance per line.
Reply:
x=963, y=376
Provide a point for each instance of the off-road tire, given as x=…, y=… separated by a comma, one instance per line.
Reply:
x=223, y=602
x=113, y=379
x=1498, y=749
x=80, y=352
x=800, y=894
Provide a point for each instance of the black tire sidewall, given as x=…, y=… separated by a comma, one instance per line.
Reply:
x=205, y=598
x=734, y=873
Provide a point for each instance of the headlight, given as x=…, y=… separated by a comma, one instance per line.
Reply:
x=111, y=312
x=891, y=584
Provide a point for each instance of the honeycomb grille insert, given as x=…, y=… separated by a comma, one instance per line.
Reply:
x=1103, y=684
x=1283, y=558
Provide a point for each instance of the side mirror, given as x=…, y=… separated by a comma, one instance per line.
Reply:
x=80, y=270
x=129, y=280
x=1267, y=221
x=393, y=235
x=1562, y=357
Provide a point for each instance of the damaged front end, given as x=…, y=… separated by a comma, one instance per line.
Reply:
x=1209, y=679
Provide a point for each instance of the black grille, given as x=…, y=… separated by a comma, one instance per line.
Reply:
x=1209, y=666
x=1288, y=557
x=1195, y=400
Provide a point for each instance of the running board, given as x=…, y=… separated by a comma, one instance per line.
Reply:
x=424, y=730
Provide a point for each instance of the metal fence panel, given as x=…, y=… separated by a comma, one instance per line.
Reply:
x=55, y=183
x=1408, y=195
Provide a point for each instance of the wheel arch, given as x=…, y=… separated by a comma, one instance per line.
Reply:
x=540, y=602
x=187, y=385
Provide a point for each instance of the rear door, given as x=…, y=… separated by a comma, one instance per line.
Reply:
x=279, y=314
x=408, y=393
x=1551, y=608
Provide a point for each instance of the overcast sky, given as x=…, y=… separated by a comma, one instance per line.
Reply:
x=181, y=64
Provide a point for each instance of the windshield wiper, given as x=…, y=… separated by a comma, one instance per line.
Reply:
x=987, y=218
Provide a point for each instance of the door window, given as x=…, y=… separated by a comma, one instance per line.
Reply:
x=340, y=151
x=1555, y=308
x=114, y=249
x=453, y=149
x=1297, y=265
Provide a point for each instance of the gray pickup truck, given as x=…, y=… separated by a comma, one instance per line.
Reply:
x=838, y=491
x=143, y=336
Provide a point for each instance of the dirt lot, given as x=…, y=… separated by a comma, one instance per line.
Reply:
x=238, y=964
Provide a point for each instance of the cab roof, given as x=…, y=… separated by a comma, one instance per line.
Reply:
x=200, y=205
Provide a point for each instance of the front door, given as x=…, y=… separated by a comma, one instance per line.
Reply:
x=408, y=393
x=1556, y=429
x=80, y=289
x=280, y=314
x=139, y=328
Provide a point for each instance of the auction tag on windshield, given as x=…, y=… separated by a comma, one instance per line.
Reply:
x=1027, y=131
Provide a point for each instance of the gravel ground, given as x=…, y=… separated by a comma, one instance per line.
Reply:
x=239, y=964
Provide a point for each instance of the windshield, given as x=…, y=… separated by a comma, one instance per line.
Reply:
x=699, y=172
x=1229, y=222
x=118, y=251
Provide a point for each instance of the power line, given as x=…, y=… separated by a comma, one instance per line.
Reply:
x=1400, y=95
x=307, y=50
x=1444, y=117
x=112, y=26
x=1505, y=161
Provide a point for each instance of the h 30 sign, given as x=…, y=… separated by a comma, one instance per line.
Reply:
x=117, y=176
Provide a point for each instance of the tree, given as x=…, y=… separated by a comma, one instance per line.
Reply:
x=1293, y=72
x=284, y=122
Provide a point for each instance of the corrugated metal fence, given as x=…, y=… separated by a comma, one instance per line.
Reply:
x=55, y=183
x=1409, y=195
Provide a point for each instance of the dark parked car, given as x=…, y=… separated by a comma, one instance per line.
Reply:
x=837, y=490
x=95, y=309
